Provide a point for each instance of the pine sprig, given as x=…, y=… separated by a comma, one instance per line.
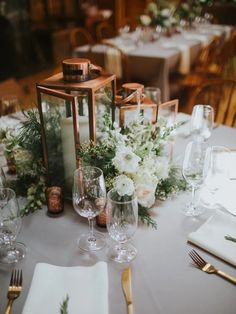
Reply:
x=64, y=305
x=145, y=217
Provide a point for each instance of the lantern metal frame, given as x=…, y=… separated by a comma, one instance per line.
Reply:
x=56, y=82
x=56, y=86
x=124, y=105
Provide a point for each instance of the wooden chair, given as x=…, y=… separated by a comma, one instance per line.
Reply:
x=221, y=95
x=200, y=71
x=104, y=30
x=79, y=37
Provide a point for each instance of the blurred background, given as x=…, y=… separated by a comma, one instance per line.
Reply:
x=35, y=34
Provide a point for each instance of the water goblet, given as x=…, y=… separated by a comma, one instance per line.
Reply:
x=193, y=173
x=89, y=198
x=217, y=170
x=201, y=123
x=10, y=224
x=122, y=219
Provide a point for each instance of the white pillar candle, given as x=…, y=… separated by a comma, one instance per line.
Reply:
x=68, y=145
x=68, y=150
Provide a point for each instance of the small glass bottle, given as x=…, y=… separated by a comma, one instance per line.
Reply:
x=55, y=202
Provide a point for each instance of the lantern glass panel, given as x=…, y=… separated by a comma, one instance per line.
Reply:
x=103, y=102
x=59, y=139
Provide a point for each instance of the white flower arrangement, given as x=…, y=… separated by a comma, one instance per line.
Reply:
x=133, y=160
x=159, y=13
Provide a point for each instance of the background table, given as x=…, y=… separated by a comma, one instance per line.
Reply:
x=164, y=280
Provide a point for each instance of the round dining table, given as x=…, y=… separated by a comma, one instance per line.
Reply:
x=164, y=280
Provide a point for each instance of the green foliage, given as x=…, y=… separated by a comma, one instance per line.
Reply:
x=64, y=305
x=145, y=217
x=100, y=155
x=25, y=150
x=171, y=185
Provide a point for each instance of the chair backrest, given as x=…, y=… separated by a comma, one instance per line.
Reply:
x=79, y=37
x=219, y=61
x=104, y=30
x=207, y=55
x=221, y=95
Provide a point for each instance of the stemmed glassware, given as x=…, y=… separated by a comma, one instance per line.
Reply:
x=122, y=219
x=217, y=174
x=89, y=198
x=201, y=123
x=193, y=173
x=10, y=224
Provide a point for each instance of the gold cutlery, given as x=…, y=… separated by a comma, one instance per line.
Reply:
x=208, y=268
x=14, y=290
x=126, y=285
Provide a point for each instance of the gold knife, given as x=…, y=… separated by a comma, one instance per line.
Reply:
x=126, y=285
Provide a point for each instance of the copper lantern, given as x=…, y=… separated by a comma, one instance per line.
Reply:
x=71, y=105
x=131, y=101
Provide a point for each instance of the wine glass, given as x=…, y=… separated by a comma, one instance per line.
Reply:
x=122, y=219
x=202, y=120
x=193, y=173
x=10, y=223
x=217, y=174
x=89, y=198
x=154, y=93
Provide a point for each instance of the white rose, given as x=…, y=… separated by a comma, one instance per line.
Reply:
x=124, y=185
x=145, y=194
x=125, y=160
x=145, y=20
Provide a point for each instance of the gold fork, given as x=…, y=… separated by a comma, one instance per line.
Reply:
x=14, y=289
x=208, y=268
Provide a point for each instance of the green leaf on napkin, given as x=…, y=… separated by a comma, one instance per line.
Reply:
x=228, y=237
x=64, y=306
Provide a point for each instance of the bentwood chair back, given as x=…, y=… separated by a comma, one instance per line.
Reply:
x=104, y=30
x=221, y=95
x=79, y=37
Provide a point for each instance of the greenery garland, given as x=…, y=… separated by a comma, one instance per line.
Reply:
x=25, y=150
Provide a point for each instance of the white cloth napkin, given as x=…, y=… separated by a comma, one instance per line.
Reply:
x=224, y=196
x=87, y=288
x=184, y=65
x=113, y=63
x=204, y=40
x=224, y=193
x=210, y=236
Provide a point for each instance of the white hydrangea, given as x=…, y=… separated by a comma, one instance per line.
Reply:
x=124, y=185
x=126, y=160
x=162, y=167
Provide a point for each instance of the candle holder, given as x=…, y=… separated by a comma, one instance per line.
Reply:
x=71, y=104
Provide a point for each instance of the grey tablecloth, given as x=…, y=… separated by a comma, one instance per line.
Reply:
x=164, y=280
